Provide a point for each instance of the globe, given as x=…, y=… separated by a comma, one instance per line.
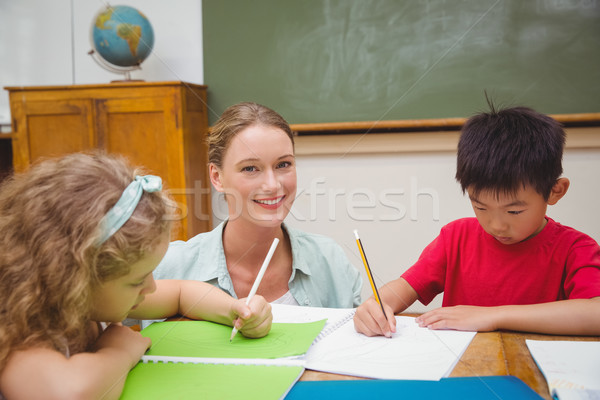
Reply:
x=122, y=38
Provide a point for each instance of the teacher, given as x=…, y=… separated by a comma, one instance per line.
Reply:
x=252, y=162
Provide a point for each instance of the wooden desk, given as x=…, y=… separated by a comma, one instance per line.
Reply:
x=490, y=353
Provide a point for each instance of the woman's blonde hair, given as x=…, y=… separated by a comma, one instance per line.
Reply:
x=49, y=262
x=237, y=118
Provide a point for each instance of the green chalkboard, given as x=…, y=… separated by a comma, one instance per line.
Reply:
x=367, y=60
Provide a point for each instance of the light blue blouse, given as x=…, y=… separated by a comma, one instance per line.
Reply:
x=322, y=275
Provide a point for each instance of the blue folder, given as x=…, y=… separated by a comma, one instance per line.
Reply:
x=484, y=387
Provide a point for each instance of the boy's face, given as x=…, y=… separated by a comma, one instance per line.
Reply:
x=113, y=300
x=510, y=218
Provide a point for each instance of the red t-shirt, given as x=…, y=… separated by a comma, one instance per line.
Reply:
x=473, y=268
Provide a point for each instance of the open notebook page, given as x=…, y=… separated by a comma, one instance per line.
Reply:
x=412, y=353
x=297, y=314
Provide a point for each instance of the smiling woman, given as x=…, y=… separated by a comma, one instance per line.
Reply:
x=252, y=162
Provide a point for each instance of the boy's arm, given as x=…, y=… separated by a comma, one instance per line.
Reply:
x=200, y=300
x=396, y=296
x=565, y=317
x=97, y=374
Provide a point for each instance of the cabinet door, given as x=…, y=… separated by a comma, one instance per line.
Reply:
x=137, y=128
x=147, y=131
x=51, y=128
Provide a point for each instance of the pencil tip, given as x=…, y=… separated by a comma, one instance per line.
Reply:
x=356, y=234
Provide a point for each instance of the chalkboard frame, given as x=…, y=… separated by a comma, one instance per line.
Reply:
x=423, y=125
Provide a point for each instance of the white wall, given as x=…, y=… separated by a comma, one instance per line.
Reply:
x=35, y=45
x=47, y=43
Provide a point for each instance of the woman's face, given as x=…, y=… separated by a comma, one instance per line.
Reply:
x=258, y=175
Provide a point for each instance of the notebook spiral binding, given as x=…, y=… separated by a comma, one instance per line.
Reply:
x=237, y=361
x=330, y=327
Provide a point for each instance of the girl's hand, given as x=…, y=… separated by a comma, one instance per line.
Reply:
x=124, y=340
x=253, y=320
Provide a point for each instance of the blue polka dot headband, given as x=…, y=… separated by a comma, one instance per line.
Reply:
x=116, y=217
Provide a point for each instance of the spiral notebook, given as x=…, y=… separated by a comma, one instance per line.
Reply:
x=194, y=359
x=335, y=317
x=412, y=353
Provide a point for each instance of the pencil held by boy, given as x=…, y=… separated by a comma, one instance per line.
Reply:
x=511, y=267
x=79, y=239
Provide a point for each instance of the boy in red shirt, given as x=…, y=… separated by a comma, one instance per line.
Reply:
x=511, y=267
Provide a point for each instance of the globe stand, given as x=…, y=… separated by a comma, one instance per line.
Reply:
x=115, y=69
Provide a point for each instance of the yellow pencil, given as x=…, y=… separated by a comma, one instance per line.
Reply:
x=369, y=274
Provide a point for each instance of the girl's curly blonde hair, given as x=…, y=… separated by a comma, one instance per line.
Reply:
x=49, y=264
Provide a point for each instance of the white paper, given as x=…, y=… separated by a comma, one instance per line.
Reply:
x=411, y=353
x=291, y=314
x=571, y=368
x=576, y=394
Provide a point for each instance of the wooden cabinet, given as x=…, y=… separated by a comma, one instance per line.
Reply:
x=5, y=155
x=159, y=125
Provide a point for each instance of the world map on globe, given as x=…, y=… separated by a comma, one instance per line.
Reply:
x=122, y=36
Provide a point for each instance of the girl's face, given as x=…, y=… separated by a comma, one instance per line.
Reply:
x=113, y=300
x=258, y=175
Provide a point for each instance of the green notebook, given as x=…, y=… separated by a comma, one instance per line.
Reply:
x=194, y=359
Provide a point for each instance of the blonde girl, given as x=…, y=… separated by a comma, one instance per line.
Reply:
x=79, y=239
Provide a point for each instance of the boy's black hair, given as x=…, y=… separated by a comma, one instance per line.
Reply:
x=505, y=150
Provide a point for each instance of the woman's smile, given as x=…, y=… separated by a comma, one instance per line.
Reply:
x=270, y=203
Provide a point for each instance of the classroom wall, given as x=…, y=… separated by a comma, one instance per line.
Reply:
x=397, y=201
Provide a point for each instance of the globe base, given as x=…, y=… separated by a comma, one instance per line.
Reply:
x=126, y=71
x=127, y=80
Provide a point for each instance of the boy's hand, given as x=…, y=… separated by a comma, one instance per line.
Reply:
x=252, y=320
x=462, y=318
x=369, y=319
